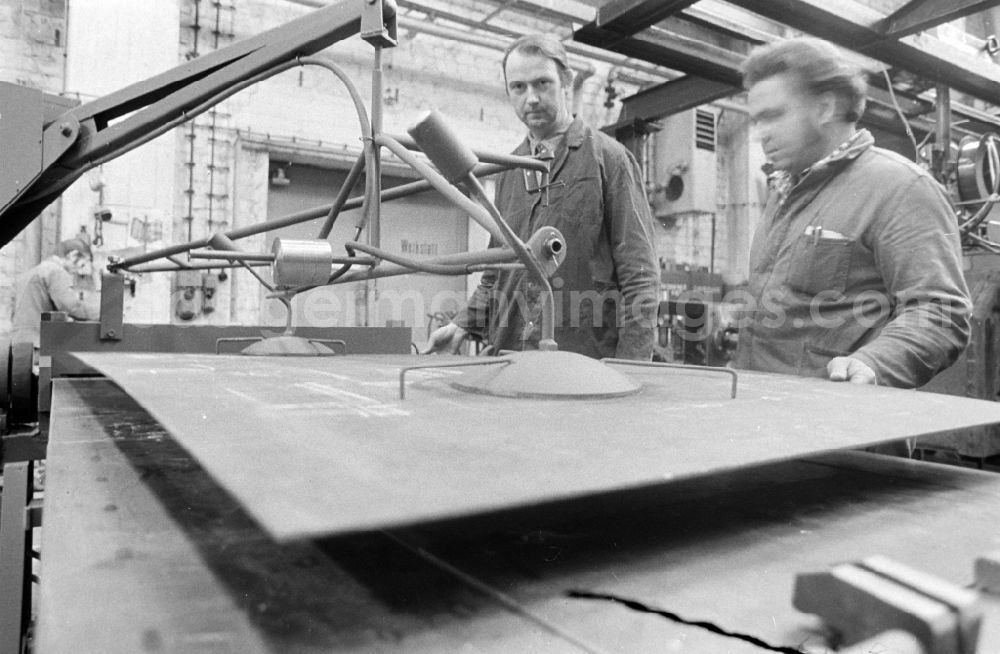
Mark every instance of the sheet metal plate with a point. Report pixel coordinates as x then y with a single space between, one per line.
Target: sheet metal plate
131 518
322 446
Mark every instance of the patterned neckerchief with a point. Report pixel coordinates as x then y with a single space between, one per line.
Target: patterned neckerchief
783 181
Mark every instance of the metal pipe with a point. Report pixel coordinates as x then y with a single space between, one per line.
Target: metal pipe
338 204
410 188
457 162
942 140
366 131
373 174
413 264
230 256
547 340
476 211
189 191
482 267
499 255
257 256
305 215
163 267
507 160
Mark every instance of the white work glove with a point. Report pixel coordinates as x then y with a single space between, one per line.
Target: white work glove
447 339
851 370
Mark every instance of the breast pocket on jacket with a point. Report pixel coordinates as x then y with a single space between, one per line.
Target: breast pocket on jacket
571 194
820 262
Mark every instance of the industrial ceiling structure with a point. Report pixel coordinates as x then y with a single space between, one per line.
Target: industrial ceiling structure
684 53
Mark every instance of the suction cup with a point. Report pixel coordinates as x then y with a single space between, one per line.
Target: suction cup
287 346
553 375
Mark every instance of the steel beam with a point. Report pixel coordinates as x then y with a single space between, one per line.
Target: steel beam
669 50
720 78
673 97
847 24
626 15
701 59
933 59
919 15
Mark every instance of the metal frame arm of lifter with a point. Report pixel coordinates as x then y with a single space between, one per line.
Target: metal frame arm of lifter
90 134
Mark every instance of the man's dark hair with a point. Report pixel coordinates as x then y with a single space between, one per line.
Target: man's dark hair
544 46
819 67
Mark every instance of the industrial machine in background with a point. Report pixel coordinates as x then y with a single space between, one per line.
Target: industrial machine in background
694 323
970 170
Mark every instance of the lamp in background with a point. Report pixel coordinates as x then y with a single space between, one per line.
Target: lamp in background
279 178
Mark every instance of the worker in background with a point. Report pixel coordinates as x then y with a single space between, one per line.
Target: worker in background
855 270
606 289
55 285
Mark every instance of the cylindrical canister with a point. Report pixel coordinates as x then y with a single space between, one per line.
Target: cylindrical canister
443 147
301 262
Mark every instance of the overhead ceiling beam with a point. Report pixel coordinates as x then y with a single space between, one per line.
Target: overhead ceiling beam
624 15
673 97
919 15
721 67
672 51
933 59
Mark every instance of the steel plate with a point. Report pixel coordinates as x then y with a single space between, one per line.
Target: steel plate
323 446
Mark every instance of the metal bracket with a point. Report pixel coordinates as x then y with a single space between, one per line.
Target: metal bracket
378 23
988 573
864 599
16 448
112 306
486 361
681 366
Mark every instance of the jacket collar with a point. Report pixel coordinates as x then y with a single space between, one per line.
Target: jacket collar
573 138
861 141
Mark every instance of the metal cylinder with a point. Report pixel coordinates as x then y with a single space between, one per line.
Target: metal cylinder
301 262
442 146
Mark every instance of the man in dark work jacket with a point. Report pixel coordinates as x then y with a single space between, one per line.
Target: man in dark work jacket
606 290
855 270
